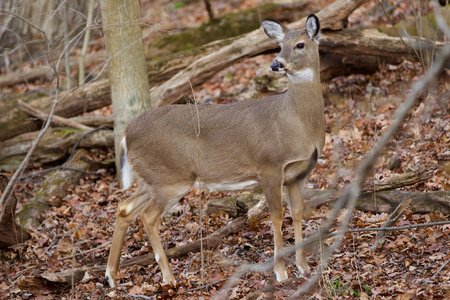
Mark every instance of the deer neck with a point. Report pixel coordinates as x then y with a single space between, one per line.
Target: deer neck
305 90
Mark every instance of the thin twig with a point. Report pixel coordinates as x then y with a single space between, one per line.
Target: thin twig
441 268
204 286
85 252
56 119
389 228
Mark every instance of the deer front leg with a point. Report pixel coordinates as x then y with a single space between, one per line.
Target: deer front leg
272 190
126 214
295 192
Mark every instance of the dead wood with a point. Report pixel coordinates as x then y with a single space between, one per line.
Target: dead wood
13 121
55 185
10 232
393 218
408 178
55 119
54 145
422 202
95 121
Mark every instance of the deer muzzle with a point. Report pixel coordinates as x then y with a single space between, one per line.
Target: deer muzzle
277 66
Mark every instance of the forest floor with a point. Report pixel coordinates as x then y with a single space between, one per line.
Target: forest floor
411 264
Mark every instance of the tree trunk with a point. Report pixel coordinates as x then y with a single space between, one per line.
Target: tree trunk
127 68
10 232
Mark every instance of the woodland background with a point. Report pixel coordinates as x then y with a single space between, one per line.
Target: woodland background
66 198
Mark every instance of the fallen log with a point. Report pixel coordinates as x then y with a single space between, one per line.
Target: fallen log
422 202
55 185
95 121
93 96
385 201
54 145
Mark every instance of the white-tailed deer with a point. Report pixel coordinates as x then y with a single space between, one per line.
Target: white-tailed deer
272 142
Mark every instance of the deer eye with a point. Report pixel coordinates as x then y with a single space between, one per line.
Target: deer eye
300 46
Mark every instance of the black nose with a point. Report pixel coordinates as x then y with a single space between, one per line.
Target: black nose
276 65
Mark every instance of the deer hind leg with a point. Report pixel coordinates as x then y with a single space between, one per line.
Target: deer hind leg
166 197
127 212
272 190
295 192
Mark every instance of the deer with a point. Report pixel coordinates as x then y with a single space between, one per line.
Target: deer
273 143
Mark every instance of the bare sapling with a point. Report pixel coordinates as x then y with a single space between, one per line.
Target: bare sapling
273 142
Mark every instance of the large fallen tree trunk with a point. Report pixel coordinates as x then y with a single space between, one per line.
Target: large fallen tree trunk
54 185
13 121
54 145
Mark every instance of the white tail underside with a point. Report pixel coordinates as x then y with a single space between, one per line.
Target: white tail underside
127 173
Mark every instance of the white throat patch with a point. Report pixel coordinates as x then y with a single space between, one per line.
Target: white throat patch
305 75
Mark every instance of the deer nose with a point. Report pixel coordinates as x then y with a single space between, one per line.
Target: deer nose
276 65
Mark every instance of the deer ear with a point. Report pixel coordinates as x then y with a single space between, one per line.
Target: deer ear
276 31
312 27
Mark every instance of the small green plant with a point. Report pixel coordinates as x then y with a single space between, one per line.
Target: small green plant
338 288
367 289
179 4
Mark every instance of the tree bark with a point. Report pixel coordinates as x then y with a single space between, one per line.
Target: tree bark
127 67
93 96
54 145
10 232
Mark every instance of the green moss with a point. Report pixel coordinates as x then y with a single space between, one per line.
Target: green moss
230 25
11 163
29 211
65 131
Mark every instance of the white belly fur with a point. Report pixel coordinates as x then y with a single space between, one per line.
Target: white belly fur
226 186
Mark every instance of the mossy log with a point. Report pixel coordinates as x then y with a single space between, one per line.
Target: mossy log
55 185
54 145
13 121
